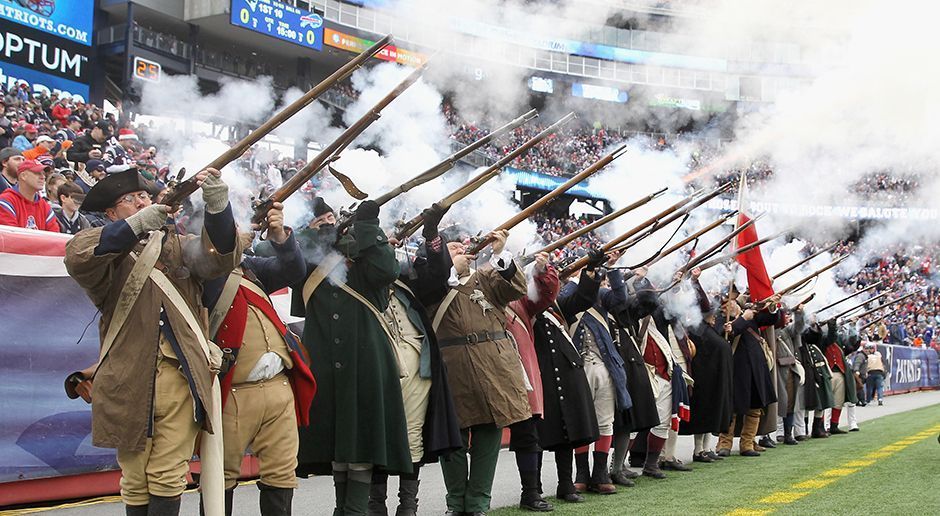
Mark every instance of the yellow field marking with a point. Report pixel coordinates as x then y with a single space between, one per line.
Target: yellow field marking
749 512
839 472
805 487
782 497
814 483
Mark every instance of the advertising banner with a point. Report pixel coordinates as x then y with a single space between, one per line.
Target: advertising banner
337 39
911 368
43 61
279 20
69 19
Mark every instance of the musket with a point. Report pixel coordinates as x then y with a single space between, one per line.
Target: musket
886 305
662 222
185 188
442 167
715 248
879 319
805 300
804 260
850 296
408 228
860 305
331 152
547 198
681 207
570 237
679 245
732 254
801 282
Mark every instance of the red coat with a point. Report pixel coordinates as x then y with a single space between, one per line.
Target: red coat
835 358
521 313
232 333
61 113
16 210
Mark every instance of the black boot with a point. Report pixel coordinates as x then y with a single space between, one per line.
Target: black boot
819 430
600 477
164 506
407 497
566 490
378 493
582 472
275 501
788 430
834 428
136 510
531 500
340 482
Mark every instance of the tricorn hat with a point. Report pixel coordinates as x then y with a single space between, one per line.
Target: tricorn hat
106 192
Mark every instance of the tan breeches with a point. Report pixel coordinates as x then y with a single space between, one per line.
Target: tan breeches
160 469
415 393
261 416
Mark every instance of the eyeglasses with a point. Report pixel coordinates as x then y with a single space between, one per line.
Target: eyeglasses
130 198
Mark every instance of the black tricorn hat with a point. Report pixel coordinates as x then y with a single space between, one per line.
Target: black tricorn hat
106 192
320 207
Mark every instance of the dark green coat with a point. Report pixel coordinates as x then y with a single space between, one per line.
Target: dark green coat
817 387
357 415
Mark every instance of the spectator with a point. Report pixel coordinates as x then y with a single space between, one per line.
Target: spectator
877 370
52 183
24 141
88 174
44 146
117 156
62 111
22 206
10 160
88 146
70 130
70 197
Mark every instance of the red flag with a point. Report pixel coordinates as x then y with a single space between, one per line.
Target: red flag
758 281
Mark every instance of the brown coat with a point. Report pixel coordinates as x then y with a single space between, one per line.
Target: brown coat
486 379
123 391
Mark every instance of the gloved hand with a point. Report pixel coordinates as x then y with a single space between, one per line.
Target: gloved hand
368 210
149 219
432 219
596 258
214 192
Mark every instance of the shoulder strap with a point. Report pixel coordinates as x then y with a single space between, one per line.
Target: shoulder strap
176 299
445 304
643 337
222 305
511 313
382 322
132 287
320 273
594 313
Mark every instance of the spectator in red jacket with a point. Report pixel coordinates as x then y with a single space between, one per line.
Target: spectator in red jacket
61 111
22 206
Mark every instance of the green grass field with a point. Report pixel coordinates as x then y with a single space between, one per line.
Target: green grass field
821 476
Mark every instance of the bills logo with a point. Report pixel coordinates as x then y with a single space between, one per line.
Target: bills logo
313 20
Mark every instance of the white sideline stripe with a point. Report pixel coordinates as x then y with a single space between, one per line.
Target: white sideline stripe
32 265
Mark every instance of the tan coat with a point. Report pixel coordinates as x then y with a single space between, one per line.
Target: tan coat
123 391
486 379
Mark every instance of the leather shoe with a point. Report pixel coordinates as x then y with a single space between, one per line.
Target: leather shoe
702 457
750 453
724 452
537 505
853 429
767 442
791 441
621 480
759 448
658 475
801 437
714 456
629 473
834 430
674 465
580 488
780 439
604 489
571 498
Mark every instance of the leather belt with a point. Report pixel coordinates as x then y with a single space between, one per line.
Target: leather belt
473 338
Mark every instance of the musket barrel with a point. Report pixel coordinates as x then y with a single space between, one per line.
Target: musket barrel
330 151
797 284
185 188
860 305
741 250
537 205
886 305
565 240
844 299
408 228
804 260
